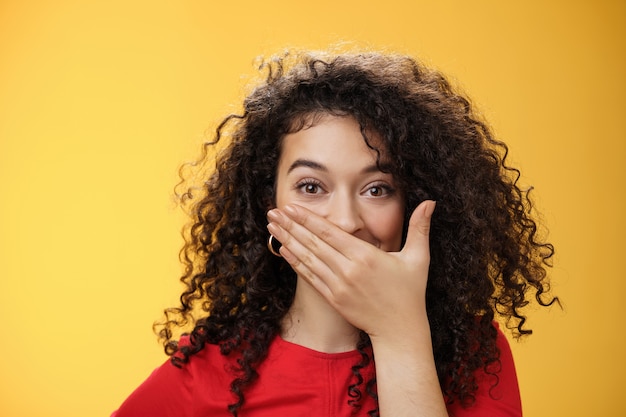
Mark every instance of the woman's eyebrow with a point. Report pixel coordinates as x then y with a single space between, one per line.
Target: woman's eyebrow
317 166
307 163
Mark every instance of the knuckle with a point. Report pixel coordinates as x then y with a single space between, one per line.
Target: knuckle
351 273
307 275
302 217
288 224
313 243
364 257
307 259
296 264
326 234
340 294
286 240
304 272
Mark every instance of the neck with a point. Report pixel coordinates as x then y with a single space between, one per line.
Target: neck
311 322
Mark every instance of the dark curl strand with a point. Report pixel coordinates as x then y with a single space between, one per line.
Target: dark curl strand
487 258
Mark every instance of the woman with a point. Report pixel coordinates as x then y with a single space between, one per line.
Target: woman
348 254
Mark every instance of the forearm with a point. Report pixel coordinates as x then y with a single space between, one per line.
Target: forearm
407 378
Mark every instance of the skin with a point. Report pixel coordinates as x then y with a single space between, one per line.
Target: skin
340 221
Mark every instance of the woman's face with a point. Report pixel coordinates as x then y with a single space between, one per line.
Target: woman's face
329 169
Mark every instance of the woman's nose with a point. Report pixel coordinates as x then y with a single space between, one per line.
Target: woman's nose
345 213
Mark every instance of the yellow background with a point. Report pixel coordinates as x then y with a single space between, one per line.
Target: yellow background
100 101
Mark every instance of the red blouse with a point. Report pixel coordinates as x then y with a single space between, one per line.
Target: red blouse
293 381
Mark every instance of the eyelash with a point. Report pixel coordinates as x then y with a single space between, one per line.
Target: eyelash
306 183
386 189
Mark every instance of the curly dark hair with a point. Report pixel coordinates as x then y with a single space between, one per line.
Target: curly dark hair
487 258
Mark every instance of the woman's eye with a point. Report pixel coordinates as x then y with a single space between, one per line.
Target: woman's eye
378 190
309 187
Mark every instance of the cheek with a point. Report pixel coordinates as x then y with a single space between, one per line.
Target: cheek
387 227
281 196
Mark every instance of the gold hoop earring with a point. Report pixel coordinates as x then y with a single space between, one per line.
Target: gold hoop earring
270 246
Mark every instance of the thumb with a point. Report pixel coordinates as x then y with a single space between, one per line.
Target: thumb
419 228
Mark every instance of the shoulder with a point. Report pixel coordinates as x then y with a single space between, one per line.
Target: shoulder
170 390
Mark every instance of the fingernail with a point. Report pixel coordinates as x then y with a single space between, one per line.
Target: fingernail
272 228
430 208
291 210
273 215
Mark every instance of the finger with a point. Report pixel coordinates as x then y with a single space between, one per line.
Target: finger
304 272
325 231
418 233
331 263
301 257
305 237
